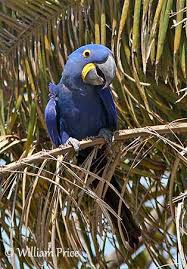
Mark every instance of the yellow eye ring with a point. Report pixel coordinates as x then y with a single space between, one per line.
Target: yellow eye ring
86 53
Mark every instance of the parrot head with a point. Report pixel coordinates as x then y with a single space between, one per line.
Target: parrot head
92 64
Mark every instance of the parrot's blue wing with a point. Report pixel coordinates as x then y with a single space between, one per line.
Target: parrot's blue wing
106 96
51 121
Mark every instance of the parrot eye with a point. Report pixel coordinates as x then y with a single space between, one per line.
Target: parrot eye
86 53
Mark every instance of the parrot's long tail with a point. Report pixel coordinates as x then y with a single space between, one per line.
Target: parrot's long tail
131 230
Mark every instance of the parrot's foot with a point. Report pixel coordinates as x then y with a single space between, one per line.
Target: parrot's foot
107 135
73 142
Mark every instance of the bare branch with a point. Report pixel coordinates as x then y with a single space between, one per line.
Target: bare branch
120 135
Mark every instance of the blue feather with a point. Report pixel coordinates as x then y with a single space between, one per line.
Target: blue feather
51 121
106 96
76 109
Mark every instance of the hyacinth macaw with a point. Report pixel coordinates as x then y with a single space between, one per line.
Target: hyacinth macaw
81 105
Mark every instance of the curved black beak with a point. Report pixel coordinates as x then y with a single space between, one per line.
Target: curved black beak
100 74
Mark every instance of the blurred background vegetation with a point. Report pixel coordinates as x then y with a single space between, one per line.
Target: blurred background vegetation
40 205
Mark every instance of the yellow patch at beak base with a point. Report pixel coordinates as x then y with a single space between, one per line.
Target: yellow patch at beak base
87 69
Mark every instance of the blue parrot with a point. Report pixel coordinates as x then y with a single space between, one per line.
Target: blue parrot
80 106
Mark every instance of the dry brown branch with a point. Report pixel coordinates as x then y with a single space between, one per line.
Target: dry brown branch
120 135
